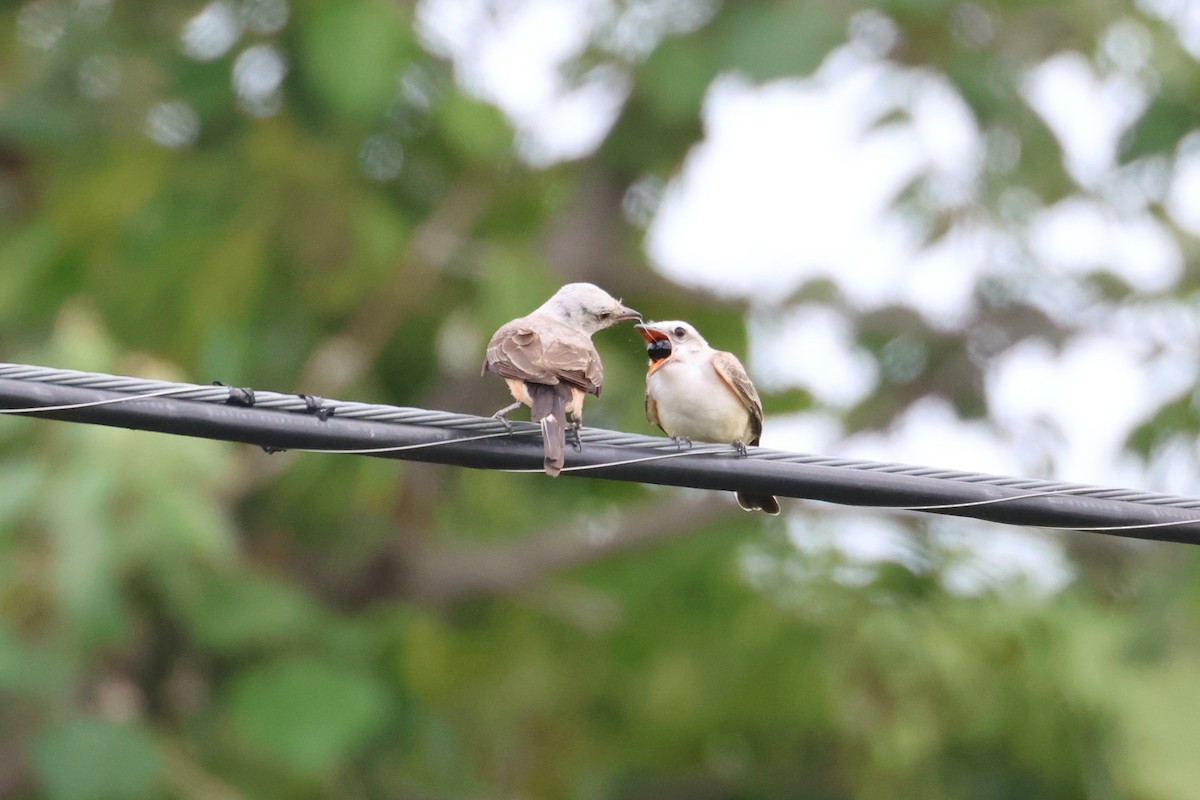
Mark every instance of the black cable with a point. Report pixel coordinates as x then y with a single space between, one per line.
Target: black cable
294 422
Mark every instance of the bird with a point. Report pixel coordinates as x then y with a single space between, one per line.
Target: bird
549 362
694 391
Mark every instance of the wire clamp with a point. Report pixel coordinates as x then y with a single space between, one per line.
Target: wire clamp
315 405
238 396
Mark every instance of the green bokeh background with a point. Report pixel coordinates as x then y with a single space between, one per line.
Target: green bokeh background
193 619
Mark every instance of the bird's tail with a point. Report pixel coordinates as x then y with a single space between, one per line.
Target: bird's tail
758 502
549 409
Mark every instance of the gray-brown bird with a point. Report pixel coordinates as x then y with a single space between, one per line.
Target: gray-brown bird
696 392
549 361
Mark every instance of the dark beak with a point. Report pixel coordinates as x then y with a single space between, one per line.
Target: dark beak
627 314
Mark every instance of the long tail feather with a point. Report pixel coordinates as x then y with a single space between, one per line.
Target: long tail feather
550 411
758 502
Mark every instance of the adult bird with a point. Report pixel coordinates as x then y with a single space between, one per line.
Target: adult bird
550 364
694 391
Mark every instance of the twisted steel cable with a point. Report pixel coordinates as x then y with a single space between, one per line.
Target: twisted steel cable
280 421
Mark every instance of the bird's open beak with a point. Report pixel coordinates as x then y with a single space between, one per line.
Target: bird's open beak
658 345
651 334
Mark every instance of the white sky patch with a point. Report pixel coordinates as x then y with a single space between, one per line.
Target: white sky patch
1166 329
638 27
1078 236
860 541
931 433
1173 470
980 556
1183 198
941 279
1087 113
212 32
1089 396
795 181
1184 15
763 199
511 53
808 432
581 117
994 557
944 127
797 349
258 75
1131 188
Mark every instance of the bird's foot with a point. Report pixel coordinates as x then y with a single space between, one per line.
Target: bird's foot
502 416
681 441
573 436
740 446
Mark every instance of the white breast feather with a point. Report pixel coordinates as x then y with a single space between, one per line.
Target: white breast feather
693 401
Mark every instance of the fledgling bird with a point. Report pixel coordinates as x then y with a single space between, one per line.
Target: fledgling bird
696 392
549 361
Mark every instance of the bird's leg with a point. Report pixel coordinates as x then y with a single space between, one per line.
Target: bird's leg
502 415
740 446
573 435
680 441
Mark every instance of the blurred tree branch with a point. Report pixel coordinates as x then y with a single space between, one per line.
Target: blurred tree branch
442 579
440 237
344 358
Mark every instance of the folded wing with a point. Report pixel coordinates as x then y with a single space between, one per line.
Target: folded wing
539 352
730 370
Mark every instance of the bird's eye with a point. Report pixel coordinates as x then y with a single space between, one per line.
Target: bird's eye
603 315
680 332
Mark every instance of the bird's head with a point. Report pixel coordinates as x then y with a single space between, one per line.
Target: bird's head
587 308
670 339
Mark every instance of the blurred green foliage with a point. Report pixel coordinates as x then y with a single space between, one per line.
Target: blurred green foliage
184 618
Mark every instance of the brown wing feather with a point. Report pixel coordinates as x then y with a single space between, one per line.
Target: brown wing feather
541 351
575 360
730 369
515 351
652 412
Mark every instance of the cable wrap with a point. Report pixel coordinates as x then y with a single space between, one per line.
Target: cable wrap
288 421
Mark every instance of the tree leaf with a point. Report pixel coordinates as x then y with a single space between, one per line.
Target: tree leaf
767 41
351 53
94 759
307 713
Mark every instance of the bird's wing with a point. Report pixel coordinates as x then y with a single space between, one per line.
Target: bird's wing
516 351
652 409
735 376
572 357
542 351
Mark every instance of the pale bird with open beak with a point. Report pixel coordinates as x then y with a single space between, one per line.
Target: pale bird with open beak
549 361
696 392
